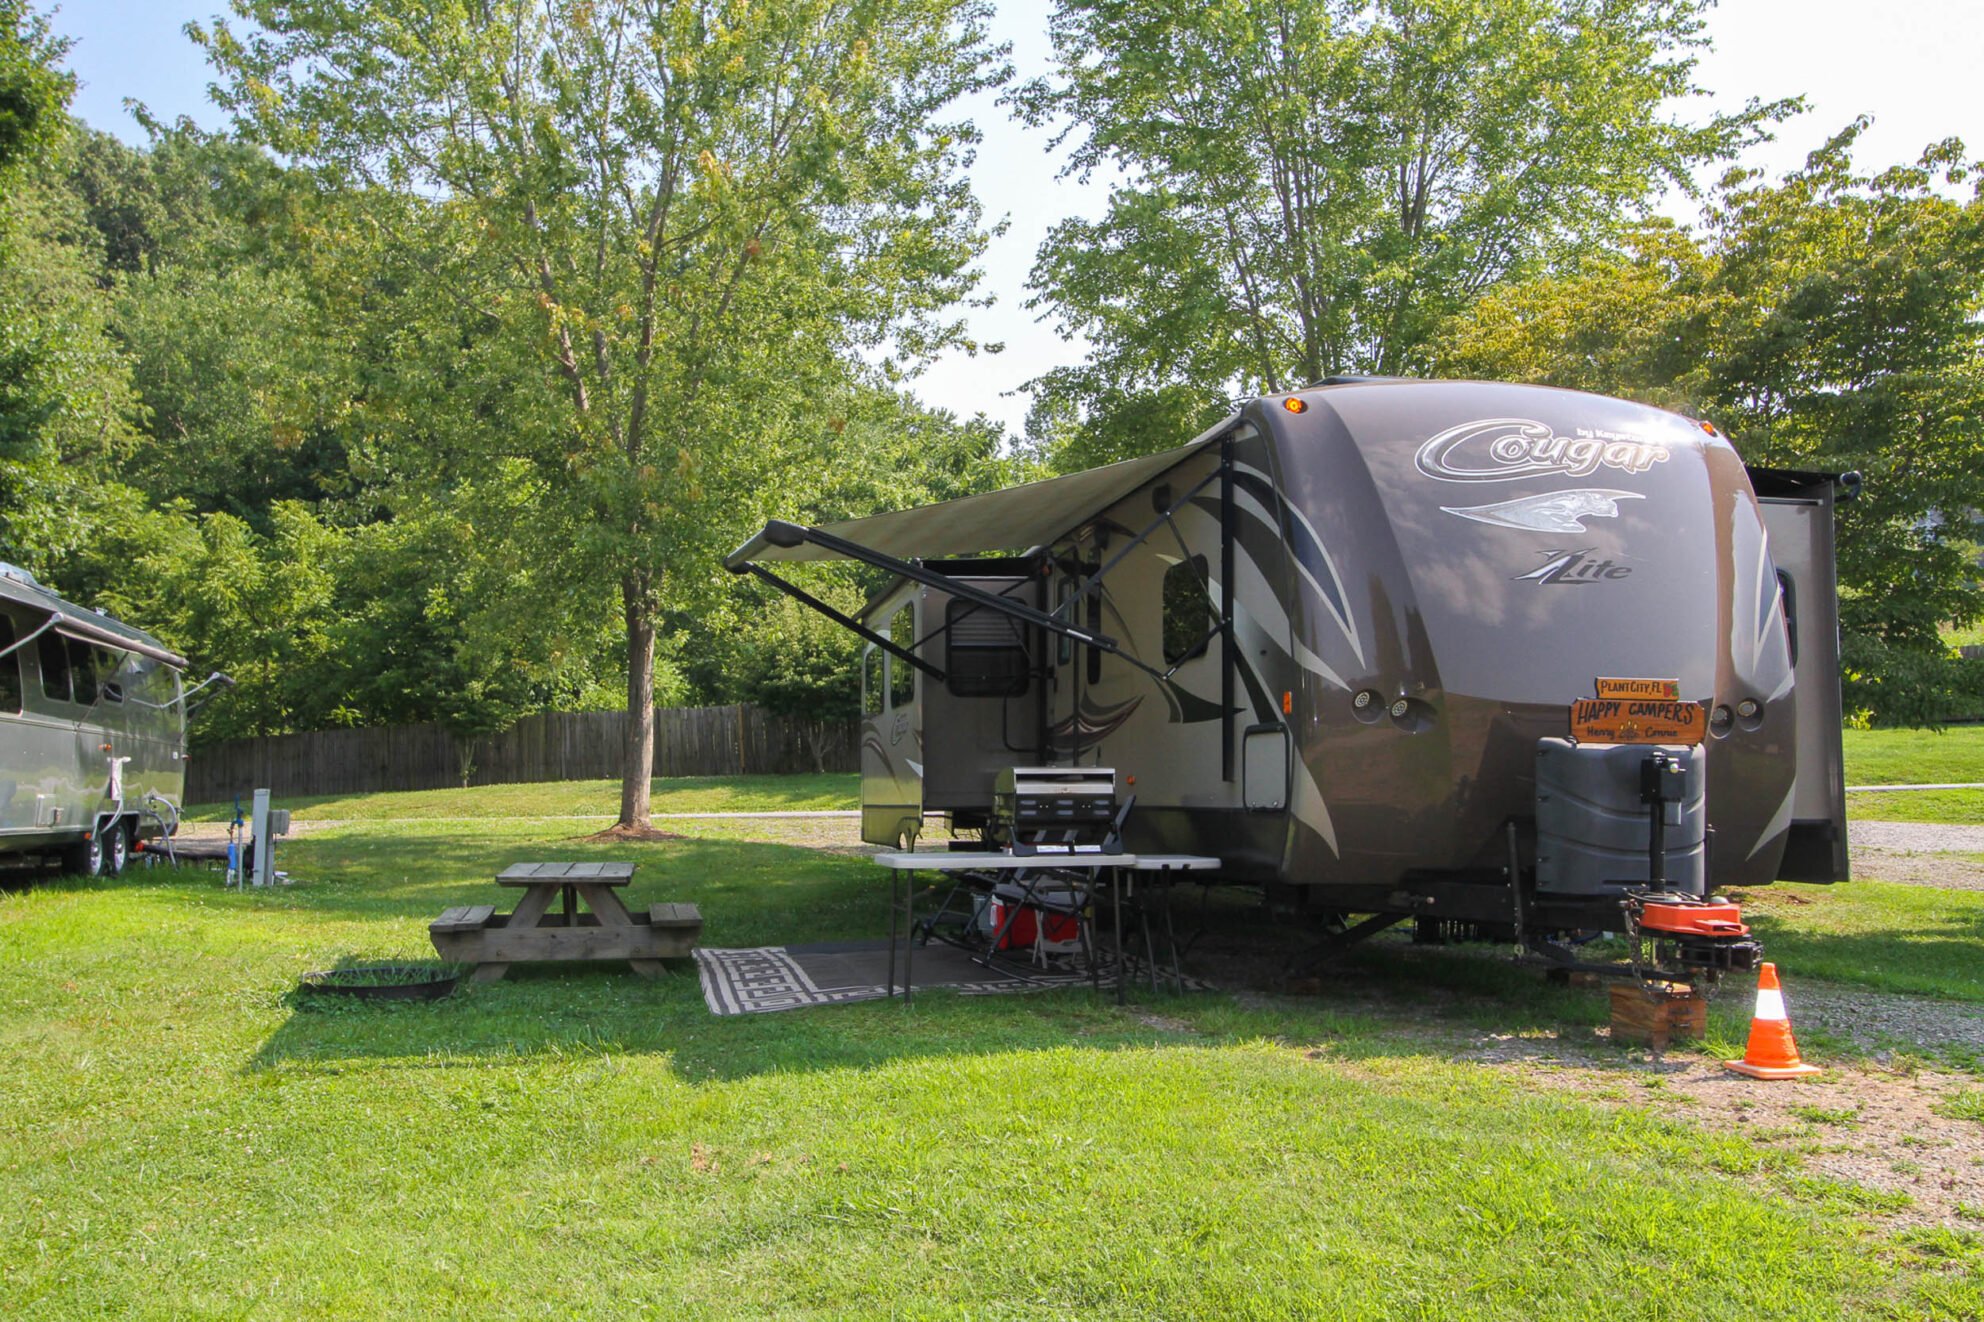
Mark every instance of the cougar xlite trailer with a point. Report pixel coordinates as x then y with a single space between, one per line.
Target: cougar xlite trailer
92 730
1476 653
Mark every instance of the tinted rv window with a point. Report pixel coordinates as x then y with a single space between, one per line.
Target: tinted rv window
902 675
1187 610
54 658
109 681
82 672
871 681
10 667
984 656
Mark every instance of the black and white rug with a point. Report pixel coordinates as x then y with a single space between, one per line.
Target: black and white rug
788 977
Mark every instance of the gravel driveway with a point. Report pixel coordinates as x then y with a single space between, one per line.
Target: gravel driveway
1918 853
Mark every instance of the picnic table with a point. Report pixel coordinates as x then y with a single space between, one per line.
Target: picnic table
604 929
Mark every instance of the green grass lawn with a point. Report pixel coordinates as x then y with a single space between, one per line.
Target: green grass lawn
575 798
1890 937
1916 757
186 1136
1873 757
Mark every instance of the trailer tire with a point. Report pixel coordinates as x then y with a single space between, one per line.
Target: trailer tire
113 849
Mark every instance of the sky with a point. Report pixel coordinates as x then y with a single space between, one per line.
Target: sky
1910 64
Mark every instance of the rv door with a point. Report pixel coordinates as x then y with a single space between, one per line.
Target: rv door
1797 512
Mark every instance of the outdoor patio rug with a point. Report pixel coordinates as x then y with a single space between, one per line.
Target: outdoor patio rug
788 977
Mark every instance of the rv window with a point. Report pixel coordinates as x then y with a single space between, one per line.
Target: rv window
10 667
54 658
871 681
1187 610
108 664
902 675
984 655
82 671
1790 593
151 683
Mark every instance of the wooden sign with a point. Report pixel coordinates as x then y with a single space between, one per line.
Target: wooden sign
1663 690
1637 721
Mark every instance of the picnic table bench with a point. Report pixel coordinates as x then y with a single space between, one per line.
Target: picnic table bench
604 929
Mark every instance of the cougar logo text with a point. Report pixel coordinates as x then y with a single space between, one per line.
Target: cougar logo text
1573 569
1502 449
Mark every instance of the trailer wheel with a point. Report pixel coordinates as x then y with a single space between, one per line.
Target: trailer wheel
113 849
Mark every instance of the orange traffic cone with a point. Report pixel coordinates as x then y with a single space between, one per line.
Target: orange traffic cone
1771 1053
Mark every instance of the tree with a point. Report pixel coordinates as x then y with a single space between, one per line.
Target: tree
693 215
34 93
797 663
1829 320
1312 186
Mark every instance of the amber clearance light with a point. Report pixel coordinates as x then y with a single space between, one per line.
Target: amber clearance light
1294 405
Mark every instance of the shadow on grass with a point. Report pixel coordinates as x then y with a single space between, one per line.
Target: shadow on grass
1386 998
1370 1007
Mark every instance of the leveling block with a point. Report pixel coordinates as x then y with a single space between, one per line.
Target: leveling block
1772 1054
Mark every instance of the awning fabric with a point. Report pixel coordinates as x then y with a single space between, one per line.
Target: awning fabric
1035 514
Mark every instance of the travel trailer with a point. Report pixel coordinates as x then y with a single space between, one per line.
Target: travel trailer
92 731
1493 657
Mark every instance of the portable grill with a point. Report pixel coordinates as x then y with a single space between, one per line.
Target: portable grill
1055 805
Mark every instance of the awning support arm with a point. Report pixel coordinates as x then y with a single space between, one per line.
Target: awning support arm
46 625
780 533
805 598
1163 519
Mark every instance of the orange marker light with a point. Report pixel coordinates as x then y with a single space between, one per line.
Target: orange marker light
1129 780
1709 427
1294 405
1287 701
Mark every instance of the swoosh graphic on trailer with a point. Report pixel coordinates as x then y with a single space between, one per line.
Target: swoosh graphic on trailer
1093 723
1305 546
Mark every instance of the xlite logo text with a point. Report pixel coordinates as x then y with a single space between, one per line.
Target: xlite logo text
1571 568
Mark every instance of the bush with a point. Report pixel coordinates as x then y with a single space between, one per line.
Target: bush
1884 684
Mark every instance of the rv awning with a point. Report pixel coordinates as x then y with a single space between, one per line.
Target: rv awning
79 622
1015 519
85 631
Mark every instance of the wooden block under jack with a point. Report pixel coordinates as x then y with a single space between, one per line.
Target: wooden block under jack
1657 1014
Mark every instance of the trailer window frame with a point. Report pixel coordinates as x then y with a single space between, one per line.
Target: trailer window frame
902 675
13 679
874 687
1185 591
977 668
84 688
52 660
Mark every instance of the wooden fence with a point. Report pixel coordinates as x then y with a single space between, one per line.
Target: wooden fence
689 741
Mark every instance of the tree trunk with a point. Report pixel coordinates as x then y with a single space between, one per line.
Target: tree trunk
637 764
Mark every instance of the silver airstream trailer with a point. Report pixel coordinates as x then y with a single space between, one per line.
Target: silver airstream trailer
1492 657
92 731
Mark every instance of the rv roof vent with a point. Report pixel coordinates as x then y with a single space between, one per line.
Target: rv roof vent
18 574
